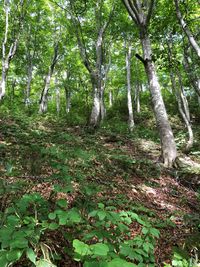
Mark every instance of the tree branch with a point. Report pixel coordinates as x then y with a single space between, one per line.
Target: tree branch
141 59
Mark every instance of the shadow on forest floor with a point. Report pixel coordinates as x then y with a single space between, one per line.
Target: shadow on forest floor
102 167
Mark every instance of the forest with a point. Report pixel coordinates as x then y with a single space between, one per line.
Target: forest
99 133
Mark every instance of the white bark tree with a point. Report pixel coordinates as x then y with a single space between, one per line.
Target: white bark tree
97 70
178 90
141 11
44 95
186 29
128 48
9 50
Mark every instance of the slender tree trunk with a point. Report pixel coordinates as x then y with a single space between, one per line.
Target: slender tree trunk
44 95
57 96
7 57
194 80
186 29
168 145
28 87
137 97
110 98
183 109
102 104
185 113
131 123
95 113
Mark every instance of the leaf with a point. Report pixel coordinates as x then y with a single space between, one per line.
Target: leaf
62 203
31 255
44 263
19 243
145 230
93 213
3 260
53 226
95 264
52 216
101 214
81 248
100 249
154 232
74 216
120 263
101 205
14 255
146 247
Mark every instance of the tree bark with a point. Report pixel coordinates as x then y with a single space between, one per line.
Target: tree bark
110 98
131 123
28 87
95 113
169 152
44 95
57 88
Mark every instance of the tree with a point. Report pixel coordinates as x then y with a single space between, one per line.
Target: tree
95 65
189 34
9 48
128 48
141 12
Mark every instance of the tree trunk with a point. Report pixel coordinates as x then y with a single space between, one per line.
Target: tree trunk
194 80
137 97
110 98
96 108
131 123
44 95
57 96
44 99
169 152
187 31
102 104
185 113
3 83
28 87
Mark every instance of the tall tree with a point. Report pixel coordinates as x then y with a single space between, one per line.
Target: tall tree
141 12
128 48
9 44
188 32
94 64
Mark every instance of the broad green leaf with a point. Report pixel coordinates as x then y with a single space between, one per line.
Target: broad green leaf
154 232
14 255
74 216
120 263
93 213
52 216
95 264
100 249
44 263
101 214
101 205
145 230
31 255
81 248
62 203
19 243
53 226
3 260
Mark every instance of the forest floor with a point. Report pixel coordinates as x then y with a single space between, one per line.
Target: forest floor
102 167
